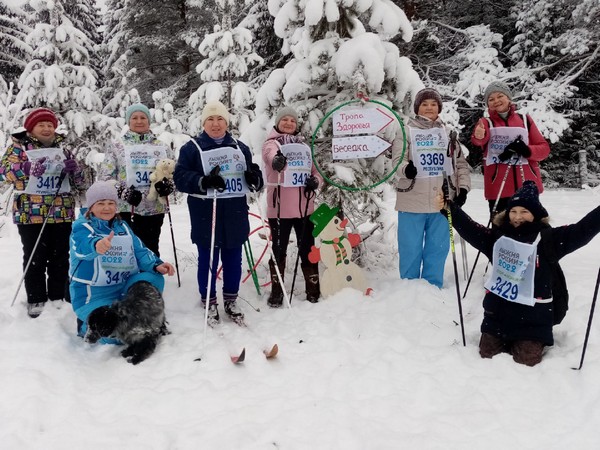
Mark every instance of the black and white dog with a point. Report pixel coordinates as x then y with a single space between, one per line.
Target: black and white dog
138 321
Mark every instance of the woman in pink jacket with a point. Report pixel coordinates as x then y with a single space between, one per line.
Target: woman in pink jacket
292 180
512 147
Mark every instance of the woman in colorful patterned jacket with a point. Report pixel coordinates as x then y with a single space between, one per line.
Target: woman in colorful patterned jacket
46 179
130 160
512 147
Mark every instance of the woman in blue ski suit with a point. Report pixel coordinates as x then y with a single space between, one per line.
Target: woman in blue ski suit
106 258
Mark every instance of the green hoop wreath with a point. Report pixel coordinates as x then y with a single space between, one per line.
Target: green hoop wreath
349 188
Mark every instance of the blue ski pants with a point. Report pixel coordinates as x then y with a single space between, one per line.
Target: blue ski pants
423 245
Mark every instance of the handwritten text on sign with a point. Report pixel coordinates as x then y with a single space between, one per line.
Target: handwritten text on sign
358 147
360 121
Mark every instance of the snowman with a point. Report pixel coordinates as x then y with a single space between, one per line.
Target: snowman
335 252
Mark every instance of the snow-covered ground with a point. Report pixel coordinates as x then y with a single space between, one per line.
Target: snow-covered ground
381 372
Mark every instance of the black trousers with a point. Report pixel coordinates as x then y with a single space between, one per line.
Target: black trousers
51 260
147 228
280 234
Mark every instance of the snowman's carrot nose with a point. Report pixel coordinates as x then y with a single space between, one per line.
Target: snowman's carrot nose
343 223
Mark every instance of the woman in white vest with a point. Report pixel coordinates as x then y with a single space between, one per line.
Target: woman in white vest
423 237
130 160
518 304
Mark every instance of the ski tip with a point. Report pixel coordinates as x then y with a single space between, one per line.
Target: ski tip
198 359
272 353
240 358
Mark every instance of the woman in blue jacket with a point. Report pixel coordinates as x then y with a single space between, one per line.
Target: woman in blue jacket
106 258
215 165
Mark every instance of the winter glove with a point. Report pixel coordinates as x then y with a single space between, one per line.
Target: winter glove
506 154
213 180
38 168
519 147
311 184
132 196
26 167
164 187
252 179
461 198
71 166
279 161
410 171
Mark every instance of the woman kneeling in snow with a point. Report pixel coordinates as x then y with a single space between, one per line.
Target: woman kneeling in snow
106 257
518 308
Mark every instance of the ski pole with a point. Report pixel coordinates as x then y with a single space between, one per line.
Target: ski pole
173 240
465 262
589 325
450 229
50 210
272 253
250 259
300 241
210 264
488 225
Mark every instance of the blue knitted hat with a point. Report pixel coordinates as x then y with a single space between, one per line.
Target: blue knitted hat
528 197
136 107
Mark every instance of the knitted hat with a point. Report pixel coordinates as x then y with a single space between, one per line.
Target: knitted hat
528 197
40 115
101 190
427 94
496 86
214 108
321 217
285 111
136 107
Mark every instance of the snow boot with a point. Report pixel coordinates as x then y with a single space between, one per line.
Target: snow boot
311 280
232 309
213 312
35 309
276 297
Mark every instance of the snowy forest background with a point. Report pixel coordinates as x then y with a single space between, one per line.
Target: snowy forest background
89 60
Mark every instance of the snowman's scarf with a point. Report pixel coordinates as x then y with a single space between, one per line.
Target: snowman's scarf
340 250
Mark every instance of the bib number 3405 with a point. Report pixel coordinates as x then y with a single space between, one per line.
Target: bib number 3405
233 184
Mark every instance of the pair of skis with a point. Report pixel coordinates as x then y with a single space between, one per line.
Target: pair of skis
241 357
269 354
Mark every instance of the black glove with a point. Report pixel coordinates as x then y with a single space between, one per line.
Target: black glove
132 196
519 147
279 161
213 180
410 171
311 184
461 197
164 187
506 154
252 180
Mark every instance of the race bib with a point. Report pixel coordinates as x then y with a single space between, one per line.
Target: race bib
429 149
299 164
500 137
233 165
140 162
118 263
513 271
47 184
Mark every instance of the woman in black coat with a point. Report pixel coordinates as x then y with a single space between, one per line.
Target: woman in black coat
521 325
215 164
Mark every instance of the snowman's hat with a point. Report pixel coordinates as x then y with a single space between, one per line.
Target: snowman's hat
321 217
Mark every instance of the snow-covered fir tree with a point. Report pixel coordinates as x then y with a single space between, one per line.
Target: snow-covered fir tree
14 51
229 54
338 48
60 75
159 40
